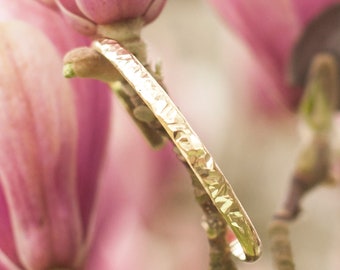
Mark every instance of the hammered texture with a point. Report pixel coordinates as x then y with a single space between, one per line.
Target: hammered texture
248 246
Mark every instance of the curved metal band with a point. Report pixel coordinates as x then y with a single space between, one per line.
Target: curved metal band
246 244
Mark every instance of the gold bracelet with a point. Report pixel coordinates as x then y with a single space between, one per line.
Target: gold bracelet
246 244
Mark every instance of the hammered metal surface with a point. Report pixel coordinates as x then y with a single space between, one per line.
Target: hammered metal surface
248 247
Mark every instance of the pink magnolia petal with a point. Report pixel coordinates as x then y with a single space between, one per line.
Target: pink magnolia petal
306 9
7 264
8 253
93 98
49 3
118 246
269 29
154 10
75 18
102 12
93 103
47 20
71 6
38 157
94 113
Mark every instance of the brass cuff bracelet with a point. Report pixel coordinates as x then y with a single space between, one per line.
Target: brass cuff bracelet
246 244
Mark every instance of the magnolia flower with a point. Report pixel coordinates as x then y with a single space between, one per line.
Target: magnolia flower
270 30
58 207
49 180
273 31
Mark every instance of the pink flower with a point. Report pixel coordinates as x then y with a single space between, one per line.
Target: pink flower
84 15
270 29
65 202
52 158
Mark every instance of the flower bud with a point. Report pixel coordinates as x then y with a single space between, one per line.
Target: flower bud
84 15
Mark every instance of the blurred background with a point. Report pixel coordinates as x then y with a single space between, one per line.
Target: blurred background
202 66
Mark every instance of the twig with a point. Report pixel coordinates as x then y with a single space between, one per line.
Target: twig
280 245
317 108
216 229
